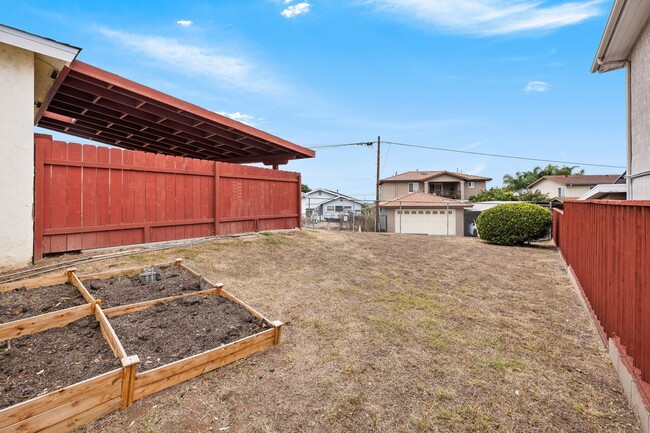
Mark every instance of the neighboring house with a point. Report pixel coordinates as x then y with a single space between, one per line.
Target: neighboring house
570 186
442 183
327 204
626 44
423 213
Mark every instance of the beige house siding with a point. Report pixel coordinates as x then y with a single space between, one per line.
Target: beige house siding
391 190
550 187
479 187
640 116
391 218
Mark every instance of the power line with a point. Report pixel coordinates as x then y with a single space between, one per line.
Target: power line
468 152
361 143
496 155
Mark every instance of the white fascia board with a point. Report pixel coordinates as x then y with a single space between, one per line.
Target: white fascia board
603 189
624 25
37 44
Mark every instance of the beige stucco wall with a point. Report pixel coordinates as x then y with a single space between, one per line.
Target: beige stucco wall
640 69
390 190
17 155
547 186
479 187
391 217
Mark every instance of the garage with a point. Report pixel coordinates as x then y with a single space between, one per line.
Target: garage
422 213
429 221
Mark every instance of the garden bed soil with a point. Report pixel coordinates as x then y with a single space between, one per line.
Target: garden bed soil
22 303
124 289
172 331
46 361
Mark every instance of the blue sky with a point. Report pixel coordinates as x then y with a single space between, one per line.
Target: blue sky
496 76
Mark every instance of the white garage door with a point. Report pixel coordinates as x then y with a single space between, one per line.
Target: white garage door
426 221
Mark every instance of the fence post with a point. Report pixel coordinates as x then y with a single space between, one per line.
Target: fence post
217 165
299 201
39 168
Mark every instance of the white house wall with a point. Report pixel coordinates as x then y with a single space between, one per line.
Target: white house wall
339 202
17 153
640 70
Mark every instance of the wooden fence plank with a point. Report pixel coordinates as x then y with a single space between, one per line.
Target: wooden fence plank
109 334
171 374
74 405
94 197
60 397
132 308
43 322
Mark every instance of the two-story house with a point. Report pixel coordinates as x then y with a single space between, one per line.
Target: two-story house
447 184
571 186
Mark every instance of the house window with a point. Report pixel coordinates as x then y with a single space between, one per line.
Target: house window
339 208
561 192
347 207
435 212
470 184
399 211
413 187
330 208
450 212
406 212
428 212
421 212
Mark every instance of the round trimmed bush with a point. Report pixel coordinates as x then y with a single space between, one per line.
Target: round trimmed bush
513 223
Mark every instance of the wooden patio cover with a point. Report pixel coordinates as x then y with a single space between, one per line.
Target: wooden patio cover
91 103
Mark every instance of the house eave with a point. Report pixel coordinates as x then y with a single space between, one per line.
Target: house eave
626 21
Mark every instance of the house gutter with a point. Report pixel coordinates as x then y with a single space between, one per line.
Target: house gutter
627 64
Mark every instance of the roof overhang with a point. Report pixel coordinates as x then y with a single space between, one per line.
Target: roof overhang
626 21
95 104
50 57
604 189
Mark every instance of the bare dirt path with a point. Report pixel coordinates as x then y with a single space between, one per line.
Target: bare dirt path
389 333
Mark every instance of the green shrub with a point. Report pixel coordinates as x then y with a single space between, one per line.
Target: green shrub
513 223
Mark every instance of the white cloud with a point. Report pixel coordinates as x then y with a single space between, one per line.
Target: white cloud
286 2
184 23
295 10
240 117
492 17
536 86
226 70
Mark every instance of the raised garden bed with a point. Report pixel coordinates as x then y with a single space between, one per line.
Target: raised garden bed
194 331
21 302
130 289
36 364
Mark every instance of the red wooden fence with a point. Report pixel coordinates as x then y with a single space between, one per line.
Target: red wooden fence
607 246
89 197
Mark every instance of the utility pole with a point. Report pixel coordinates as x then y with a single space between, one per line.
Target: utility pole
377 225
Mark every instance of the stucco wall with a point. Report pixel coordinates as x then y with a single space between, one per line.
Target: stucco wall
479 187
17 155
390 190
641 116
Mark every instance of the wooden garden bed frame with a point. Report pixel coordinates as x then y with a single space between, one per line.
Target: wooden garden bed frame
81 403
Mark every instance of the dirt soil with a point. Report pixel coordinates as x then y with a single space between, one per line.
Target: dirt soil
40 363
168 332
393 333
124 290
21 303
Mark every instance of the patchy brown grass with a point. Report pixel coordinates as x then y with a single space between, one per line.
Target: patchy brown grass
394 334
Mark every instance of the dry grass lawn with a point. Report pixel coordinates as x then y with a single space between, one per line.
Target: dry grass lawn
389 333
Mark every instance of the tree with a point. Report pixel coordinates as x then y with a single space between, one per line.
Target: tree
502 194
494 194
522 179
305 188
